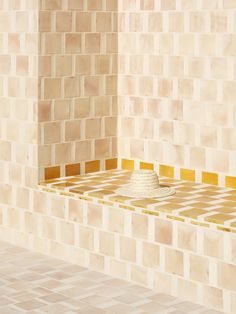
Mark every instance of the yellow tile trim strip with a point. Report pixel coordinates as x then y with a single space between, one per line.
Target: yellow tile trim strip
166 171
150 212
201 224
52 173
182 173
92 166
146 165
175 218
127 207
129 164
111 163
73 169
210 178
230 182
187 174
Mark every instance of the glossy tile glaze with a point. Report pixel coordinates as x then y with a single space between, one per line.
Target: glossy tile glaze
207 205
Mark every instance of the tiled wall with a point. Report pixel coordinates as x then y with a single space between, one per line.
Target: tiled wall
172 98
18 99
175 91
177 87
78 85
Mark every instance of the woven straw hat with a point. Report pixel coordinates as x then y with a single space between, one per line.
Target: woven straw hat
144 184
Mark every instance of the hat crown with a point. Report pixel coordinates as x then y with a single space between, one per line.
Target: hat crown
144 180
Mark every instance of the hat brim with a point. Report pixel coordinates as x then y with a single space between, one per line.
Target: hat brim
161 192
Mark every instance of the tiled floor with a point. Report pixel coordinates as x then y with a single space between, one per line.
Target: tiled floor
34 283
207 205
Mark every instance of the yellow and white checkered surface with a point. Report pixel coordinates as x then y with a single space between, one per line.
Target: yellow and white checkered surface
206 205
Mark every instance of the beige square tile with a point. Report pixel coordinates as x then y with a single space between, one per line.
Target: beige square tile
128 249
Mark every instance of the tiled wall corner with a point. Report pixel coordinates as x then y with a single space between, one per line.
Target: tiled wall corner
78 84
18 101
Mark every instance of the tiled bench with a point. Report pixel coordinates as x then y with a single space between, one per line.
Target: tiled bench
184 245
205 205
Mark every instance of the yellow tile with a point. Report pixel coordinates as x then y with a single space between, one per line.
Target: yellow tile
92 166
72 169
86 198
98 179
127 164
200 205
166 171
111 187
182 195
233 224
187 174
229 204
127 207
230 198
168 181
214 188
209 178
48 190
45 183
192 213
175 218
218 218
187 183
209 193
224 229
105 202
225 210
185 189
144 202
81 189
100 193
150 212
92 183
198 223
52 173
176 200
106 175
230 182
146 165
126 176
119 182
119 198
65 193
63 185
233 192
169 207
74 179
111 164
